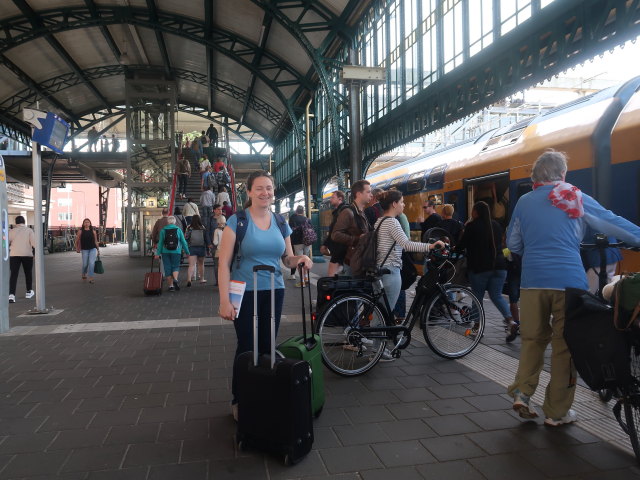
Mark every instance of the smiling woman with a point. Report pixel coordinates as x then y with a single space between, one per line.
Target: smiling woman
255 236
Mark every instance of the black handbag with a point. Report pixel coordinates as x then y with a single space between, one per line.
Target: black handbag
600 352
408 273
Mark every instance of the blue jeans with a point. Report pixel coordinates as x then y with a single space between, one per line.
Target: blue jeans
244 325
400 310
182 183
89 261
392 283
206 217
491 282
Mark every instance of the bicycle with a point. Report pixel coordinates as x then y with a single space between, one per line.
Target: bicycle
354 328
627 396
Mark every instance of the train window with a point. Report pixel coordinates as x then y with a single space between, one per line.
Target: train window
383 185
523 187
436 197
396 182
436 176
416 182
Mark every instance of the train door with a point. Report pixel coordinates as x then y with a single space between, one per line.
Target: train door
492 189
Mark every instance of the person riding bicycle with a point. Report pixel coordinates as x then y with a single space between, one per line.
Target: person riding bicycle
546 228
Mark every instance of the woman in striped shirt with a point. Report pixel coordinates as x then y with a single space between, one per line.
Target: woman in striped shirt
392 240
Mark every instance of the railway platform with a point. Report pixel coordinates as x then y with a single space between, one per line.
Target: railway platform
116 385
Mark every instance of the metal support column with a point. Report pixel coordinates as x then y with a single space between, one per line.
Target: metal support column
355 148
38 229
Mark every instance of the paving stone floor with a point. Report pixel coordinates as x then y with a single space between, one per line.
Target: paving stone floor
153 403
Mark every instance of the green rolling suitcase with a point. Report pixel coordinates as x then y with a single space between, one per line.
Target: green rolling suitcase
308 349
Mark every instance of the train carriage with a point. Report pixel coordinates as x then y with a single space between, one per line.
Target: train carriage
600 134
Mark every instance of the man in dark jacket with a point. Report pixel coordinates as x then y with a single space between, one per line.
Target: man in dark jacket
329 247
431 218
352 222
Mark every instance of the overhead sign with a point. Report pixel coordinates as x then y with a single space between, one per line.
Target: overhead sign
48 129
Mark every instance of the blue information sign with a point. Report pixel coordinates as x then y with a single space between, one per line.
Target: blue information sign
53 133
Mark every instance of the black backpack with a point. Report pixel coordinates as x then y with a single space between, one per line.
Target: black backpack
171 239
196 238
365 256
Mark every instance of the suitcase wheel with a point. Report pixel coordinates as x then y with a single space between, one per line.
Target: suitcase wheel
318 413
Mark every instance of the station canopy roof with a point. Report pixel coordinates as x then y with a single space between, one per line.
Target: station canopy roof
248 62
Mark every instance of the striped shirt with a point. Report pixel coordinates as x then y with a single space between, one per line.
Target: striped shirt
391 231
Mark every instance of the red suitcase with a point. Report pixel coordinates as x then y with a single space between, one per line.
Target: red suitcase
153 281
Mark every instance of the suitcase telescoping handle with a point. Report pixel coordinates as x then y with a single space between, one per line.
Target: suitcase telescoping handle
152 259
309 342
271 270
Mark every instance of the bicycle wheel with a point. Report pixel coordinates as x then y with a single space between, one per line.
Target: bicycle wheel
345 350
453 324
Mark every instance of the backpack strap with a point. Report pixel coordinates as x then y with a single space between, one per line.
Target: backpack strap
241 230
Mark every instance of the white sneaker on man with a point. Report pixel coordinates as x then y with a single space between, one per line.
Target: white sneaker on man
570 417
12 299
29 294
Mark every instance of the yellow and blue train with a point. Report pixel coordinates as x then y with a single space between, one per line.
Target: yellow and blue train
600 134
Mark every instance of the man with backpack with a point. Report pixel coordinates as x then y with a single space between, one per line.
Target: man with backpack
352 222
299 223
171 243
329 247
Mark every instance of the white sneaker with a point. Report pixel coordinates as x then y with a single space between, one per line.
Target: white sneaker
291 277
386 356
570 417
29 294
12 299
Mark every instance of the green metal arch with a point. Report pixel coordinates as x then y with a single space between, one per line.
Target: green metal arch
13 105
18 30
319 64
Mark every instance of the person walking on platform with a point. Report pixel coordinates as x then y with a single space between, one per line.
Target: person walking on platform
352 222
199 241
266 242
227 209
171 244
297 221
336 250
22 241
158 226
482 240
87 244
546 228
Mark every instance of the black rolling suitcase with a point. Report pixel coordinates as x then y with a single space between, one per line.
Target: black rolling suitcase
274 396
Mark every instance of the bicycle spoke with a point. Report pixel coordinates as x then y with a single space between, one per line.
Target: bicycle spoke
346 349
